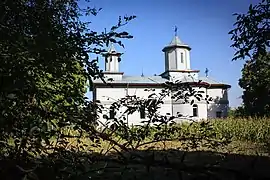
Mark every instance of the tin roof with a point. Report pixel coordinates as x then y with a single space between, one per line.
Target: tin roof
176 42
156 80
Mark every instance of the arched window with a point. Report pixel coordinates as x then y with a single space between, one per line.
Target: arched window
195 110
182 57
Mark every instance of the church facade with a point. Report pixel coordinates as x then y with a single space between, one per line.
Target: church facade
177 67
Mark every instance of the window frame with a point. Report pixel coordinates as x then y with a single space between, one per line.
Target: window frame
195 110
182 57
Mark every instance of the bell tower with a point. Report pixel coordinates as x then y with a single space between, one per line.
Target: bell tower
112 60
177 55
112 64
177 59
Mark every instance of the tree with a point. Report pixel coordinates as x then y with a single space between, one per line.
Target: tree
44 65
251 35
251 39
237 112
256 84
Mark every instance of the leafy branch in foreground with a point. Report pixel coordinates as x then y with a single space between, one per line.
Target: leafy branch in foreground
45 65
251 35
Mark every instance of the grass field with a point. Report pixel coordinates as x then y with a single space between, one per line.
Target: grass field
248 137
247 155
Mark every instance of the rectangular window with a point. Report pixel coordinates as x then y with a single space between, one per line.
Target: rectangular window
195 110
182 58
142 113
176 59
112 114
218 114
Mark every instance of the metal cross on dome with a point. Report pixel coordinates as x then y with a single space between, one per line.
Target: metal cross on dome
175 30
206 72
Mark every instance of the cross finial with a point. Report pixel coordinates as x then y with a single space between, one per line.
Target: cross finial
175 30
206 72
142 75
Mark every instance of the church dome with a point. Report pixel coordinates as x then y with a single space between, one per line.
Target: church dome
176 42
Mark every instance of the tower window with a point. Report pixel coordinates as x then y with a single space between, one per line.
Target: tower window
182 57
142 113
195 110
176 59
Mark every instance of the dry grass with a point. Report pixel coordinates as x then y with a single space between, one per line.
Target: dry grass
249 137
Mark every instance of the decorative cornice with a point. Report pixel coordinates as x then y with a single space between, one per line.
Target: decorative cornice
176 46
112 54
213 86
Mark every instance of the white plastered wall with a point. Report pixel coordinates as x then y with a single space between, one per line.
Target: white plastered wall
220 102
109 95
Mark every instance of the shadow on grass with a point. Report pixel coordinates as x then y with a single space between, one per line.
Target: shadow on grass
152 164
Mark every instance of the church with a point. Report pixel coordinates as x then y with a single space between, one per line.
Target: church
177 67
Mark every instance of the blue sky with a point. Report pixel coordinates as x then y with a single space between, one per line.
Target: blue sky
202 24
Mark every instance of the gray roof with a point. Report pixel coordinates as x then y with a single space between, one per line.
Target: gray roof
209 80
137 80
176 42
203 79
156 80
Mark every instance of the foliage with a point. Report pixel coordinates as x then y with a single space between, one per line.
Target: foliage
251 36
256 84
237 112
44 66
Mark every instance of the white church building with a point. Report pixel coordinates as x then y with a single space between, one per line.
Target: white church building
177 67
